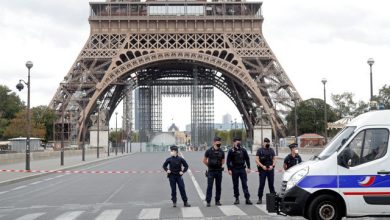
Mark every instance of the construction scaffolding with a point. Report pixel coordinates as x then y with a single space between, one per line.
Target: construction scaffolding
148 107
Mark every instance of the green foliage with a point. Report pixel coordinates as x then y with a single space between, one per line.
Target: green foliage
310 114
18 127
10 104
45 116
384 96
227 136
344 104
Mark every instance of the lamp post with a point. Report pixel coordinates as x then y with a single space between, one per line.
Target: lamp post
62 133
108 125
371 62
325 112
250 130
116 133
295 98
83 94
98 129
235 126
261 124
20 86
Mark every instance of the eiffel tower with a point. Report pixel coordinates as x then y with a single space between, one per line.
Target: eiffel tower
135 44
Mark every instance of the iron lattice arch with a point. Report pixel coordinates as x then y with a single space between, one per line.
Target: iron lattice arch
241 64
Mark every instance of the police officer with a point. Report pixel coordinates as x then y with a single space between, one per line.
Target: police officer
214 158
236 159
175 173
293 158
265 160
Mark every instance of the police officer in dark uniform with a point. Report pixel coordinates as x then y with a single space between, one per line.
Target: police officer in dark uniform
214 158
293 158
265 160
236 159
175 173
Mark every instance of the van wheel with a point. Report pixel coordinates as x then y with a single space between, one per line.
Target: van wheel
324 207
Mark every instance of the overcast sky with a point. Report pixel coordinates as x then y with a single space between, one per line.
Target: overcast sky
311 39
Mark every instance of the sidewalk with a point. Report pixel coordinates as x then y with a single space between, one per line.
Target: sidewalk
50 164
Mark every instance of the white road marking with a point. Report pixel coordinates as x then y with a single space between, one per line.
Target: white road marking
3 192
49 179
191 212
69 215
264 209
31 216
20 187
231 210
109 214
34 183
196 184
149 213
59 176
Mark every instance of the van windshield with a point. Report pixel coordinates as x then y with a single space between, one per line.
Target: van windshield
337 142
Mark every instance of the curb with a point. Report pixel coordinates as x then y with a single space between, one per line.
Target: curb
8 182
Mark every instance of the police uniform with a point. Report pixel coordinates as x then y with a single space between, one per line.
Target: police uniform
266 156
290 160
215 168
176 165
236 159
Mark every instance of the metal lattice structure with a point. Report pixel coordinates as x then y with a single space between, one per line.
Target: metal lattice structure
135 43
149 107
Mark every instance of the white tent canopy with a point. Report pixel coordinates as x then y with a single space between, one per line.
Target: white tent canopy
340 123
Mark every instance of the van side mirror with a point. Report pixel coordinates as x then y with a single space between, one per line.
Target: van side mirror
344 159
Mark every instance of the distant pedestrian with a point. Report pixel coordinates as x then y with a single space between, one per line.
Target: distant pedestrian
177 167
236 159
265 160
214 158
293 158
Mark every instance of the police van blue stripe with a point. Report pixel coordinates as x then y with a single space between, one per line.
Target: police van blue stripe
345 181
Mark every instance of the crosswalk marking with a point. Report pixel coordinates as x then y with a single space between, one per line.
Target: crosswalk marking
69 215
231 210
264 209
31 216
150 213
109 214
191 212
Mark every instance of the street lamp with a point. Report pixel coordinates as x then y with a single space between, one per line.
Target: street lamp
325 113
295 98
98 128
62 133
116 133
371 62
20 86
235 126
108 139
250 130
83 95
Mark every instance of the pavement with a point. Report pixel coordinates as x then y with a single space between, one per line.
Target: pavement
48 164
142 192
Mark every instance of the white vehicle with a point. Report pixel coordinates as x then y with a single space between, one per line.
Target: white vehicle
350 177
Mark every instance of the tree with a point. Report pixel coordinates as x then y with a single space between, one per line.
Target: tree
344 104
43 115
10 104
18 127
310 114
384 96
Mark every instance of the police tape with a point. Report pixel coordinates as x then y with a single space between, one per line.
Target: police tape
102 172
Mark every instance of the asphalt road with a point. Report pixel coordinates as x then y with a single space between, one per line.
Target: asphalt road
144 194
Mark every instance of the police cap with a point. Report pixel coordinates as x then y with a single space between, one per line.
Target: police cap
266 140
174 148
217 139
293 145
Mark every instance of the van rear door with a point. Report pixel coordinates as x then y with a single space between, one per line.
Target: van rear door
364 172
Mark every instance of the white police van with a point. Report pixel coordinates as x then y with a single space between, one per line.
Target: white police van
350 177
